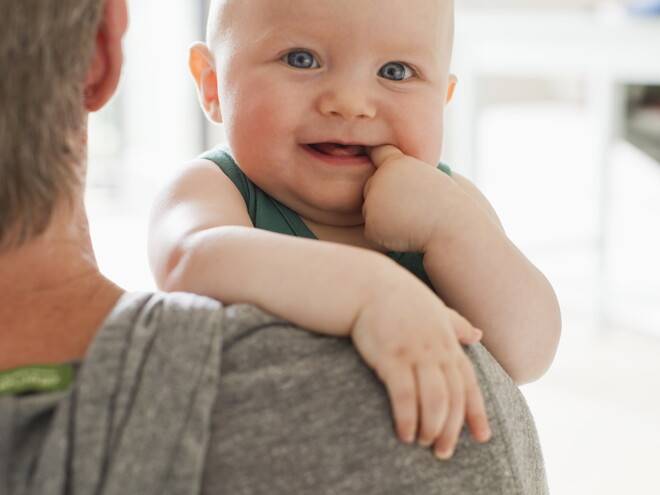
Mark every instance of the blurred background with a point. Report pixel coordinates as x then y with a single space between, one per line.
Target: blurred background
556 118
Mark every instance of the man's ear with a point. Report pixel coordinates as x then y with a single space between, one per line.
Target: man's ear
450 88
202 68
105 69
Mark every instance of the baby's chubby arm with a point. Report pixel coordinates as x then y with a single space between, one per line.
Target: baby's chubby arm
202 241
475 268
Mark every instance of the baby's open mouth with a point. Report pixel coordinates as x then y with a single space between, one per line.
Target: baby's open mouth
339 150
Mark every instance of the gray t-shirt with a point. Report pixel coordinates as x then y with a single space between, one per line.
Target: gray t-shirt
278 410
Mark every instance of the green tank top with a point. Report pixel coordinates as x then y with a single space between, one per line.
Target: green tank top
269 214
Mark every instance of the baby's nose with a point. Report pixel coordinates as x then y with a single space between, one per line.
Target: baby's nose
347 101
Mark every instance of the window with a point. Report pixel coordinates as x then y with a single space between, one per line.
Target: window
152 126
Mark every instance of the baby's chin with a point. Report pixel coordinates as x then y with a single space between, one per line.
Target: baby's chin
354 221
343 210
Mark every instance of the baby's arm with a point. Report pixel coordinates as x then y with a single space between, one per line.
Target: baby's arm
202 241
473 265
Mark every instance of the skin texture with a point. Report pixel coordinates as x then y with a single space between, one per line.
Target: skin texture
381 191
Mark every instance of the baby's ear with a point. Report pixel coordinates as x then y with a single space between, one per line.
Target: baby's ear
202 68
451 87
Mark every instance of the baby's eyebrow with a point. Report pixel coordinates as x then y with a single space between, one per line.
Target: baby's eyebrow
422 57
273 34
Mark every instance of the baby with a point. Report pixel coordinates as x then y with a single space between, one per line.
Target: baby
328 207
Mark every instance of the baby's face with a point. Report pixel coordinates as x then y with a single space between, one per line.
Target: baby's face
305 85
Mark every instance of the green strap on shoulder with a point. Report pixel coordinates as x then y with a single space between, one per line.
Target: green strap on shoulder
40 378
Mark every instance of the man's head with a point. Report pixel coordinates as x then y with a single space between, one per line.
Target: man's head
294 80
56 64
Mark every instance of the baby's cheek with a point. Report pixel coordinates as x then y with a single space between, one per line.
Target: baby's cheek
246 129
420 134
426 152
429 148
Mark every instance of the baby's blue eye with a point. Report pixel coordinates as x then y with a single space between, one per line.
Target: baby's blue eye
301 59
395 71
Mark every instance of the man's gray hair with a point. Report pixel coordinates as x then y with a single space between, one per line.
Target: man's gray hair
45 51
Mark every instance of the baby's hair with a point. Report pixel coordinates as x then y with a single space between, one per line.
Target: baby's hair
217 20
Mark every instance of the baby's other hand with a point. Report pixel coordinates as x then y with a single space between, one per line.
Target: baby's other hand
409 337
404 201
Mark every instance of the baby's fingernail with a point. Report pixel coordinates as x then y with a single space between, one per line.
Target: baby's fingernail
407 438
444 454
423 443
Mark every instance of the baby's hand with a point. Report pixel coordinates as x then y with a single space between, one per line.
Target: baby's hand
409 337
405 201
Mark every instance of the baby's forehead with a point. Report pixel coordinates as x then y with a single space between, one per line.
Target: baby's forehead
221 8
227 16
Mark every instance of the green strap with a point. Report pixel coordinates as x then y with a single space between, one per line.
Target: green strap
41 378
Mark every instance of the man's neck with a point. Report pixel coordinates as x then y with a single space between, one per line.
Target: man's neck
52 297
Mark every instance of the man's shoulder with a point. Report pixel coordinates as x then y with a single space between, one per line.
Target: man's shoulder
149 307
188 313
